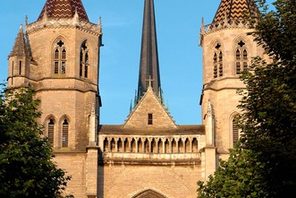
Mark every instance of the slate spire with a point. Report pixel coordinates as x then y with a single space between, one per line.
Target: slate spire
149 66
63 9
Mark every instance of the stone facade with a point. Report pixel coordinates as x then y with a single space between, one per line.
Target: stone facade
149 155
222 90
59 56
159 156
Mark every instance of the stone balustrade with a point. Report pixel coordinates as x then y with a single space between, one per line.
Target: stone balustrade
150 144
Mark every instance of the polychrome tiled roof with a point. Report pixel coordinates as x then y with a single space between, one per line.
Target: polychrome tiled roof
234 10
60 9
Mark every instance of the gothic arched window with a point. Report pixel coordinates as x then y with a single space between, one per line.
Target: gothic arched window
65 133
50 131
60 58
218 61
241 57
235 129
84 60
194 146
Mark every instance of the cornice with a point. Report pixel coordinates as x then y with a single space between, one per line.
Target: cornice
149 162
88 27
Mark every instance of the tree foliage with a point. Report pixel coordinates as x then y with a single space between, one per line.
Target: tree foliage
268 144
240 176
26 169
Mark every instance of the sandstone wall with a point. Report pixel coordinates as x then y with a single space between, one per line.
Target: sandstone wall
126 181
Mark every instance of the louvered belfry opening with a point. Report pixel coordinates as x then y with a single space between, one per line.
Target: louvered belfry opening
65 133
50 131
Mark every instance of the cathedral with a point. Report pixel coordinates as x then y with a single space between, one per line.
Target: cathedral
149 155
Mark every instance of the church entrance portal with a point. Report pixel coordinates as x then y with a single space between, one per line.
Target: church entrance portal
149 194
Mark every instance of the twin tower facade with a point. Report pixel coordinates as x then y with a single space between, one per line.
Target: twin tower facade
149 155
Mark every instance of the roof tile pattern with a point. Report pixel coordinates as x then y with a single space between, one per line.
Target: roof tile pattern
59 9
234 10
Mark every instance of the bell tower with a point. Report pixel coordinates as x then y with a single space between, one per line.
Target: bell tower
58 55
227 51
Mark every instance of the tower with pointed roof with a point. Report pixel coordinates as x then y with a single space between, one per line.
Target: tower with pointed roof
19 60
227 52
58 54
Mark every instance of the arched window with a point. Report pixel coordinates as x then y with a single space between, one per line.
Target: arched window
126 148
218 61
60 58
174 146
84 60
120 146
106 145
241 57
167 146
215 72
235 129
133 146
194 146
146 146
112 144
153 146
50 131
65 133
180 146
140 146
187 146
160 149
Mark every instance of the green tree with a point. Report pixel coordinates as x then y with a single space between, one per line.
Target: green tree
268 123
240 176
26 169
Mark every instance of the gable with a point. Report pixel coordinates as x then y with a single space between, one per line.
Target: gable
149 108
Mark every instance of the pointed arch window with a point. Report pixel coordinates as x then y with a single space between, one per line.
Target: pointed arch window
84 60
65 133
235 129
60 58
218 61
50 131
241 57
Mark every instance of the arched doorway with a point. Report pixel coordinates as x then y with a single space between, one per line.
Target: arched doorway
149 194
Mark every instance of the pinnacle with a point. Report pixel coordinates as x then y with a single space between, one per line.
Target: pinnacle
20 46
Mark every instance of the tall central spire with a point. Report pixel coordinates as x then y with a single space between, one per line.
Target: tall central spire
149 66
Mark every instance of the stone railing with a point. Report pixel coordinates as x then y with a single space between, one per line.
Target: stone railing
155 146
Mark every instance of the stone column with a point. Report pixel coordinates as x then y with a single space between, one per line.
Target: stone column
210 149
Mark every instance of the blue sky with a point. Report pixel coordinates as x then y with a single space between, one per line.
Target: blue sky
180 57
